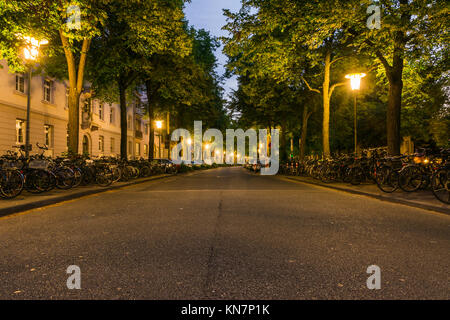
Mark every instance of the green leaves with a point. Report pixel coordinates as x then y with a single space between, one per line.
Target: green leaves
286 42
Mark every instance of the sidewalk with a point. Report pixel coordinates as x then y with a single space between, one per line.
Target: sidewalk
423 199
28 201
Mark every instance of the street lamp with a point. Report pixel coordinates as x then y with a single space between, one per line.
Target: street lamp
159 125
31 55
355 83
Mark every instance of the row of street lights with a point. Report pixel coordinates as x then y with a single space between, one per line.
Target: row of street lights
31 55
355 83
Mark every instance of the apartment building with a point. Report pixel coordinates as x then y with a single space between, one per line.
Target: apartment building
99 121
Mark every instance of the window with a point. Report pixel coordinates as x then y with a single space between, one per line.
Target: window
129 123
113 143
146 129
20 83
20 128
100 112
130 147
138 149
145 150
101 143
86 116
111 115
48 84
48 130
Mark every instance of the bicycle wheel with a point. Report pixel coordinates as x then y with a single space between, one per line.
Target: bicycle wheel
78 177
117 173
88 176
38 181
145 171
410 178
347 175
11 184
104 176
65 178
324 175
357 176
440 185
387 179
135 172
126 174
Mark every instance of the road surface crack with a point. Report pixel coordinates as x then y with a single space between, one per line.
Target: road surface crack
211 263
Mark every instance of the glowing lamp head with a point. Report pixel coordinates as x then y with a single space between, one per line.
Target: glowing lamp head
31 53
159 124
207 146
31 50
189 141
355 80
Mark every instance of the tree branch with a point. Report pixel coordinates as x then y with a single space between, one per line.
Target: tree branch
334 86
131 76
336 60
70 60
82 64
383 60
309 87
380 57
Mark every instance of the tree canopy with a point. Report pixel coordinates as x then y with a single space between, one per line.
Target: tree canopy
312 45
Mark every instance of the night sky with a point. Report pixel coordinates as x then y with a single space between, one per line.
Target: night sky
207 14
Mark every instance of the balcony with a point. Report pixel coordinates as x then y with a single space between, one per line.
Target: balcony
138 134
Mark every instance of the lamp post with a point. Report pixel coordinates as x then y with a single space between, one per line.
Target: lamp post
168 134
31 54
355 82
159 125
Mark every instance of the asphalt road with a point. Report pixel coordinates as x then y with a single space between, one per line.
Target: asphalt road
225 234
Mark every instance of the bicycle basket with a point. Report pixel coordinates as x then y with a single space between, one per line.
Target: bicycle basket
39 164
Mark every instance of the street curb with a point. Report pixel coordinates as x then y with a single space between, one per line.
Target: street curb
379 197
43 203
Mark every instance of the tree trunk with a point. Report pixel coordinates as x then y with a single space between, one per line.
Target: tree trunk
305 119
394 116
395 75
76 79
151 142
283 153
74 121
326 107
123 119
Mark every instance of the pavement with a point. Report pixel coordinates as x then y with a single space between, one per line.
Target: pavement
26 200
420 199
225 234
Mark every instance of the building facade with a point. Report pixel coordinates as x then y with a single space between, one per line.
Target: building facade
99 133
